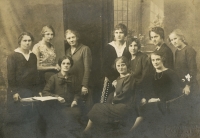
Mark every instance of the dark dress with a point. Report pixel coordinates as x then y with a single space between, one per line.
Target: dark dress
185 63
169 61
21 74
109 57
122 107
60 117
81 69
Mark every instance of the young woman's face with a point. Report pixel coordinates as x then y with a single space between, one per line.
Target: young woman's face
26 42
176 40
133 48
65 65
48 36
121 67
119 35
156 39
71 39
156 61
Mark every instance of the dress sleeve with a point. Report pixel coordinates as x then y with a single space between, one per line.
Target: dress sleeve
87 61
127 90
49 87
11 74
192 65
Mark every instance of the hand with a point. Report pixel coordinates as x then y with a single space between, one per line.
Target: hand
153 100
74 103
186 90
61 100
84 90
143 101
106 79
16 97
114 83
115 94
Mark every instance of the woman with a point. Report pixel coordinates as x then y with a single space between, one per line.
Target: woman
21 74
82 58
185 62
46 56
122 107
62 117
114 49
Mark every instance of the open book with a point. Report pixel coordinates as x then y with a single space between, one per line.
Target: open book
45 98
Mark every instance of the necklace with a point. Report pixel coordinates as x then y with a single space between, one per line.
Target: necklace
157 76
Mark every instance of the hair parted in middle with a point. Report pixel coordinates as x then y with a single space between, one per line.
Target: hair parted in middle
122 27
60 60
161 54
123 59
23 34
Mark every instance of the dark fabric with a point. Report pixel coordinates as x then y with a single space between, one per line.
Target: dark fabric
58 85
185 63
82 64
59 120
109 57
166 85
139 65
21 73
122 104
169 60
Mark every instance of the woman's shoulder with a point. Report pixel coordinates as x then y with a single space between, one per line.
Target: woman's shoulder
141 54
190 49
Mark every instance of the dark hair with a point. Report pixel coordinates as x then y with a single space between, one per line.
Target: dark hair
161 54
44 29
123 59
22 35
122 27
136 40
157 30
76 33
60 60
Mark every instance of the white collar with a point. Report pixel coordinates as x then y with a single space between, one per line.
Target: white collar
25 55
118 51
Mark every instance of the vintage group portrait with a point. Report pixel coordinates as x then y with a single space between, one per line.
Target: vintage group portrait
99 69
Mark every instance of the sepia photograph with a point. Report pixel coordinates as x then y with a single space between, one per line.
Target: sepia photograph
99 69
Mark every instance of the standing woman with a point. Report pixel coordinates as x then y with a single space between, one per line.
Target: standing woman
46 56
21 74
114 49
185 62
82 58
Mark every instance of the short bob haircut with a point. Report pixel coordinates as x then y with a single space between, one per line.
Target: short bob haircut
123 59
122 27
180 34
136 40
161 54
46 28
22 35
76 33
157 30
60 60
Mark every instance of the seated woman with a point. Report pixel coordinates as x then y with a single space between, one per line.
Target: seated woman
122 108
165 83
46 56
166 89
21 74
63 116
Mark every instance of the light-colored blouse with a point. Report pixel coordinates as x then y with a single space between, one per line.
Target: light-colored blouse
47 55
